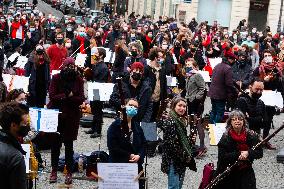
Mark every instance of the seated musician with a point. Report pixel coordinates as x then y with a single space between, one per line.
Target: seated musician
127 146
236 144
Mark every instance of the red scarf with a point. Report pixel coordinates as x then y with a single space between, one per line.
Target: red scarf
82 44
263 68
241 139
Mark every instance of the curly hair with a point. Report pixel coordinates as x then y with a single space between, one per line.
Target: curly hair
13 94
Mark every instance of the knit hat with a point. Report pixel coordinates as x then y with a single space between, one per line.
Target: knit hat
68 61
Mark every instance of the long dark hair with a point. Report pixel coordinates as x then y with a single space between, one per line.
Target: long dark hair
1 72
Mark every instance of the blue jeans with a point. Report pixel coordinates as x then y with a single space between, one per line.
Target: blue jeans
175 181
217 112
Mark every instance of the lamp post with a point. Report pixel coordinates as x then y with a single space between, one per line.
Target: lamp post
280 18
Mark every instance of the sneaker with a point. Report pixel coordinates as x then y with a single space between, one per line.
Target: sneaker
269 146
68 178
95 135
53 176
90 131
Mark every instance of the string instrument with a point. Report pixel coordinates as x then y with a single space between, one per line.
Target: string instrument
124 123
225 173
162 108
193 120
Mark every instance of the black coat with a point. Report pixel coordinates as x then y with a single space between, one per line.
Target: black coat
143 95
149 75
228 153
120 56
100 72
12 164
120 148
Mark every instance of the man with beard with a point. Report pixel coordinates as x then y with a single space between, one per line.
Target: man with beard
252 107
14 123
135 87
66 93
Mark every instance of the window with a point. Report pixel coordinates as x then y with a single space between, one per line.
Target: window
187 1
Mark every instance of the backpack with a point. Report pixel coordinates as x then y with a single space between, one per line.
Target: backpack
208 172
93 159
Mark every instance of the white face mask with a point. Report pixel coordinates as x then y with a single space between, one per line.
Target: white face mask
204 33
268 59
67 45
164 47
132 35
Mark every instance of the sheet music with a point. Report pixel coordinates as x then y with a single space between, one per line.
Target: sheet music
49 120
33 113
21 82
118 175
272 98
80 59
171 81
7 79
13 57
22 60
27 149
110 56
105 90
214 61
205 75
216 132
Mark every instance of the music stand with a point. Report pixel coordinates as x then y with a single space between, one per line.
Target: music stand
150 133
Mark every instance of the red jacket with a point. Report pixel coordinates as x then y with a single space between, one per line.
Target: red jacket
57 56
17 29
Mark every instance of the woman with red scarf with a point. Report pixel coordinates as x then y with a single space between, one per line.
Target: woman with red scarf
236 144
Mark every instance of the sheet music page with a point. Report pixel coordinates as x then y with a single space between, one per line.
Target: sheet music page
49 120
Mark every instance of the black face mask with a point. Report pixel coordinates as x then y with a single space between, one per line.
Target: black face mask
136 76
242 63
134 53
23 131
256 96
60 41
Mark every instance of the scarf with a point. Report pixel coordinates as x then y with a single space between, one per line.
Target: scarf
82 44
264 67
180 125
241 139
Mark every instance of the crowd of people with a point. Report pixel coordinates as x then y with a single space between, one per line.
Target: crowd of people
146 52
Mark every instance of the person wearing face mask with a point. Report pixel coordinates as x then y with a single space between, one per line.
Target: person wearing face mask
17 31
70 31
100 75
252 107
32 38
4 29
112 36
241 71
37 69
68 45
169 60
134 86
130 149
14 124
177 145
135 56
57 53
155 74
249 41
82 45
270 73
147 42
66 93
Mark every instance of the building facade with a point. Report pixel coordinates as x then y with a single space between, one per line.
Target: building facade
228 13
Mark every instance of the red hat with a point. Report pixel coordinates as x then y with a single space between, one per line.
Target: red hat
68 61
230 55
137 65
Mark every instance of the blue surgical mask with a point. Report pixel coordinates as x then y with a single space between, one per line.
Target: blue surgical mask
131 111
188 69
82 34
32 29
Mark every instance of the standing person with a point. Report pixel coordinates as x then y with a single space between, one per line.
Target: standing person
66 93
220 90
14 123
57 53
252 107
177 147
4 29
134 86
121 52
37 69
236 144
100 75
130 149
195 96
17 30
82 45
270 73
155 74
136 56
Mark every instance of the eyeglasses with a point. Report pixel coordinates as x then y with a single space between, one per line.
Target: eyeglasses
237 119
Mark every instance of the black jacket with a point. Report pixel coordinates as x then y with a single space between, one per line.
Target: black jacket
228 153
12 164
255 109
120 56
100 72
149 75
241 73
143 96
120 148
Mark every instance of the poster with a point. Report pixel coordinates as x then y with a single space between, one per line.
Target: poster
118 175
16 82
99 91
214 61
45 120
